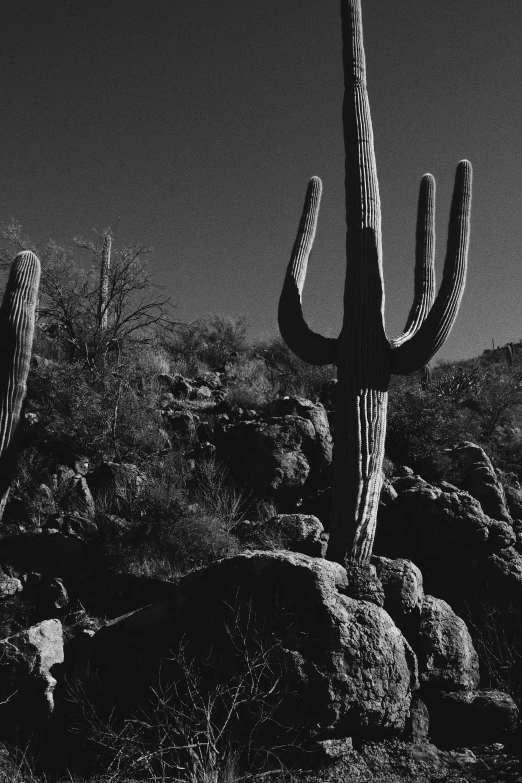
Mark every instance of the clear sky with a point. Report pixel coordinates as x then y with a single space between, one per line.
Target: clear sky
197 124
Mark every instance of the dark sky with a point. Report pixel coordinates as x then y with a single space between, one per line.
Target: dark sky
197 124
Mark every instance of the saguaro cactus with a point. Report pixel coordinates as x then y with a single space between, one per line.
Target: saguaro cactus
103 302
365 357
17 321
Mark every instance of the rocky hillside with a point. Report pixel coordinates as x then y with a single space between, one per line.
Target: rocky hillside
164 598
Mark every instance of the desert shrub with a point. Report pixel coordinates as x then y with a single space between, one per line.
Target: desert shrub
180 521
210 343
192 731
497 636
423 425
289 375
249 385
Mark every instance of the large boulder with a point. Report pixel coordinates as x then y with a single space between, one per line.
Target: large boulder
480 479
316 414
281 454
341 666
445 532
27 682
447 658
471 717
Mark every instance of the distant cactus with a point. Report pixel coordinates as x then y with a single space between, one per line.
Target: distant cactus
103 304
17 322
365 357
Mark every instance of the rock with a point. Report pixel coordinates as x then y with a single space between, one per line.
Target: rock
481 480
26 680
210 379
201 393
447 658
333 749
180 387
52 556
501 536
118 484
403 470
418 724
273 457
9 586
363 583
281 454
403 589
472 717
295 532
513 497
407 482
446 536
342 667
46 594
316 414
77 497
181 423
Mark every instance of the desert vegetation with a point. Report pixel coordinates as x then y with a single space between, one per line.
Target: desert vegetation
224 559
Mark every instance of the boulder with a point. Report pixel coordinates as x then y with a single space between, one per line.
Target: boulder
446 536
27 662
316 414
290 448
341 666
294 532
447 658
481 480
274 456
513 497
418 723
472 717
403 589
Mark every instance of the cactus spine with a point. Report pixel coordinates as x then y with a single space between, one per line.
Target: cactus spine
365 357
17 322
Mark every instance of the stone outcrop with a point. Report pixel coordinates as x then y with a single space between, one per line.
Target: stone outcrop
403 589
27 667
471 717
444 531
447 658
283 453
480 479
343 668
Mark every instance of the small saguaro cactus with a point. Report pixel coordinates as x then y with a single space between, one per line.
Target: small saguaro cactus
103 303
364 355
17 322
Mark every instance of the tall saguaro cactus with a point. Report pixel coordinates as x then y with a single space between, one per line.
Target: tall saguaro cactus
364 356
17 322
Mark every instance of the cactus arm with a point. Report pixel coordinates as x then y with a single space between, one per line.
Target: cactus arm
424 281
419 349
17 322
306 344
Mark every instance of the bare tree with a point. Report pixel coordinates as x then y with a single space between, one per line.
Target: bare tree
95 310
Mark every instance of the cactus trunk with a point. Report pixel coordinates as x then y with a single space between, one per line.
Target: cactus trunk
365 357
17 322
